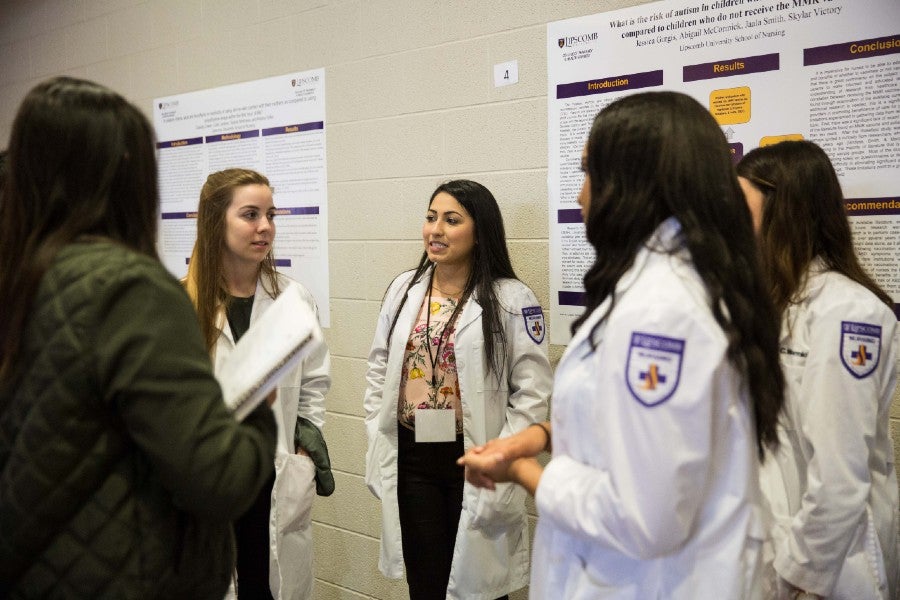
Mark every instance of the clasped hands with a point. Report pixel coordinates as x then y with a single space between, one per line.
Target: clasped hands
507 459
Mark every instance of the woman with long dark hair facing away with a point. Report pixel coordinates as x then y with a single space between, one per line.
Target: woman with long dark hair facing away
459 357
669 389
232 281
120 467
831 485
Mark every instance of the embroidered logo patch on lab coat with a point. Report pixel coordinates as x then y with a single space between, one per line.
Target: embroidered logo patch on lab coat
860 347
653 368
534 323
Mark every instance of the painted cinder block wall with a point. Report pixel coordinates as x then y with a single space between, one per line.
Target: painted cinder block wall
410 103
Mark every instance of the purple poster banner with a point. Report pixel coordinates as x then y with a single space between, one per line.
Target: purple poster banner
298 210
569 215
851 50
230 137
179 215
737 152
179 143
866 207
616 83
571 298
298 128
731 66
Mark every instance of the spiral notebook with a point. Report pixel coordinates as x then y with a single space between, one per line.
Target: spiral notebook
271 347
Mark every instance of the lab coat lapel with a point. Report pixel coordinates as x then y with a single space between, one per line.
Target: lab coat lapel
407 320
471 312
224 327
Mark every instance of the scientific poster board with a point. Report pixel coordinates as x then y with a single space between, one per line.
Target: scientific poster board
275 126
823 70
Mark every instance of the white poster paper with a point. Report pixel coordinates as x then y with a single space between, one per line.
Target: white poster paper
768 70
275 126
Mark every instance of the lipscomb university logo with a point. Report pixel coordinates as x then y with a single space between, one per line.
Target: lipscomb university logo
860 347
653 368
562 42
534 323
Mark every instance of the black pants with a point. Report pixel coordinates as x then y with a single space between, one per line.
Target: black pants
251 531
429 494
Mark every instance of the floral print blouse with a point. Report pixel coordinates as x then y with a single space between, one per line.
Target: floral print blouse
416 387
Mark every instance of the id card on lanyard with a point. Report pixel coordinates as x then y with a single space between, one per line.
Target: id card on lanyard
435 425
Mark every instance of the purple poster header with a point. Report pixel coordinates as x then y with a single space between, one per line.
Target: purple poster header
179 143
731 66
851 50
299 127
569 215
230 137
571 298
865 207
298 210
616 83
179 215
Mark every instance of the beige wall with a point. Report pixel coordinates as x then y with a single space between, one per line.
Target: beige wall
410 103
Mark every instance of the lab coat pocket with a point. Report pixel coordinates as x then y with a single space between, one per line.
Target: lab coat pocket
862 575
496 511
290 530
374 457
603 574
293 493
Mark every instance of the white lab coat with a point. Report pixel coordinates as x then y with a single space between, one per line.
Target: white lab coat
832 486
650 494
490 558
300 394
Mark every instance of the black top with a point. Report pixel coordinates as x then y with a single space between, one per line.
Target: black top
238 314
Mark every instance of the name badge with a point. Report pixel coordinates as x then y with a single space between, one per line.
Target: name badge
435 425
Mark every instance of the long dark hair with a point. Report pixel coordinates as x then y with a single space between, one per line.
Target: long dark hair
803 218
655 155
81 162
490 261
205 282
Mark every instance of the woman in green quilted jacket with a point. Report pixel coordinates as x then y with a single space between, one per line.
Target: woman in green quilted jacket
120 467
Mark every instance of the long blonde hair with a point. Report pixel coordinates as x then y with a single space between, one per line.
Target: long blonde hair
205 281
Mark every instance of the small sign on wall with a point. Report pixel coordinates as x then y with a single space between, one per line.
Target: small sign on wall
506 73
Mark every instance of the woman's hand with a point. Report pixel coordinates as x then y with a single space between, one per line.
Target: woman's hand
531 441
507 459
485 466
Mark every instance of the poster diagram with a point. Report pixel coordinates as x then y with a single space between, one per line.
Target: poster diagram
275 126
768 70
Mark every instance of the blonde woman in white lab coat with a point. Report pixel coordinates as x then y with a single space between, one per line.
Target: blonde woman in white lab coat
459 357
232 281
670 388
831 485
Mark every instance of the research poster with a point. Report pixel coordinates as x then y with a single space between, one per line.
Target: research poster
768 70
275 126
